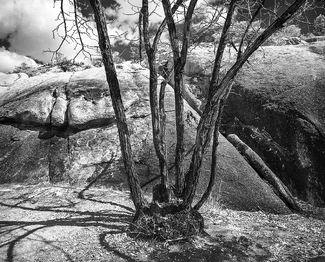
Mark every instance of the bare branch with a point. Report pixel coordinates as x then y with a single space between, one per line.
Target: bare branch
163 24
221 46
74 27
253 17
171 28
186 29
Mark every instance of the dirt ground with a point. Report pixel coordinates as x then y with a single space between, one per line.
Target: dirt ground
51 223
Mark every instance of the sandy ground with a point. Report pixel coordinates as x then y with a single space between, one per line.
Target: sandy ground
50 223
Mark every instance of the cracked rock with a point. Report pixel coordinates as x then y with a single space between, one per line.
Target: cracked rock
68 134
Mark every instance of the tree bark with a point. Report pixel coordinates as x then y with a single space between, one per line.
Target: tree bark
179 59
179 113
221 48
157 108
157 105
179 104
214 156
207 123
203 139
216 120
124 136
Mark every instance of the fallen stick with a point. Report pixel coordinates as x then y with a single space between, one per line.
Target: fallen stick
264 171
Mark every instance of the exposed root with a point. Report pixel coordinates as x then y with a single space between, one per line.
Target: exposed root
166 222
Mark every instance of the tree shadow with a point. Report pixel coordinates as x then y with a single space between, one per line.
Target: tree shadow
81 194
14 231
182 250
95 179
109 248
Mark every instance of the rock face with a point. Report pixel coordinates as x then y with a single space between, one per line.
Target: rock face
277 106
60 127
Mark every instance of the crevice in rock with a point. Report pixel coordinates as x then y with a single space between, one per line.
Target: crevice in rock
49 160
67 97
307 119
140 116
55 96
48 131
69 151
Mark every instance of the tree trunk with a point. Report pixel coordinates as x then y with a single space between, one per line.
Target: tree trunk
179 58
106 51
179 112
264 171
214 156
157 108
203 139
158 126
216 120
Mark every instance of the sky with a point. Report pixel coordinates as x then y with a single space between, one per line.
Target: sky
26 28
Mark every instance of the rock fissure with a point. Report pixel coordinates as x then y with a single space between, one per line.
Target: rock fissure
67 97
140 116
55 96
321 133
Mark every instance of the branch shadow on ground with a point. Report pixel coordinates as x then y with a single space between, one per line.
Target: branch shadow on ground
109 248
82 195
14 231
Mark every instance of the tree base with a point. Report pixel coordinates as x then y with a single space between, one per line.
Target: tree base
162 194
166 221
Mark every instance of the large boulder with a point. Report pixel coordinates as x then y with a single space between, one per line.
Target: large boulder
277 106
60 128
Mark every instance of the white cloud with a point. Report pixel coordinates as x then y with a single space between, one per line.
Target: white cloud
127 17
10 60
124 27
28 26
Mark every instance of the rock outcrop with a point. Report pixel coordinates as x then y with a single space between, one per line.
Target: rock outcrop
60 127
277 106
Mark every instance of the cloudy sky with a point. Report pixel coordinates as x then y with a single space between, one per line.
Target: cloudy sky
26 28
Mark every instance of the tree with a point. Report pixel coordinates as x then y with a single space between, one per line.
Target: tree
158 115
179 208
124 136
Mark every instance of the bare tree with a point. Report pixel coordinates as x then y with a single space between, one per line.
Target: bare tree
186 181
158 115
124 136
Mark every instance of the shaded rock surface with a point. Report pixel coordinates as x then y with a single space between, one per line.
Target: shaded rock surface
60 127
277 107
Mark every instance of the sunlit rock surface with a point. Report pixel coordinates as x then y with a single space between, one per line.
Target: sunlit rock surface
60 127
